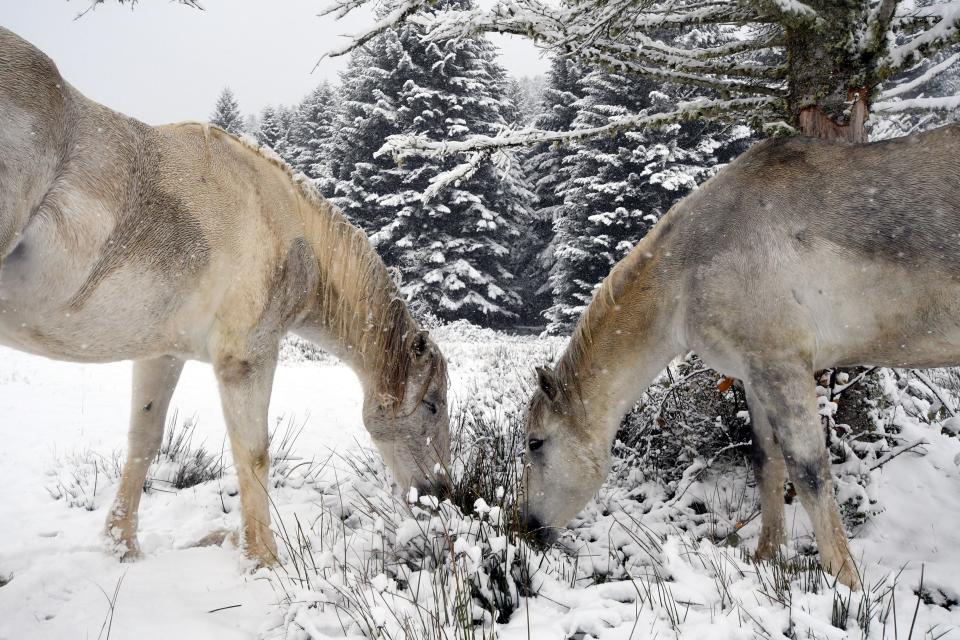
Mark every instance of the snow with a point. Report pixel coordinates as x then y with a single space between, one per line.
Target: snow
942 103
59 567
62 581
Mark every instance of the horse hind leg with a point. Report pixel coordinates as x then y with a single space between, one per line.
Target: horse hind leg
771 473
154 382
787 395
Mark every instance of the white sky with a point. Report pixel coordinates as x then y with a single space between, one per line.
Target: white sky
163 62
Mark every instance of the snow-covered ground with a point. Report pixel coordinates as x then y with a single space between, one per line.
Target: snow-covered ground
53 554
60 583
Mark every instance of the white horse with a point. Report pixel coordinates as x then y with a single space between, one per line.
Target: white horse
798 256
161 244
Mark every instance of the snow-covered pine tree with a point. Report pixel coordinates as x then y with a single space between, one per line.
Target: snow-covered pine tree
548 174
310 135
617 187
525 94
365 114
558 110
276 124
226 114
452 245
270 131
816 67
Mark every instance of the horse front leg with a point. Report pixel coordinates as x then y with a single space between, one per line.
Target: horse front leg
153 384
771 472
784 388
245 385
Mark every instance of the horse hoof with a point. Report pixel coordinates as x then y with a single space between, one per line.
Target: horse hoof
849 577
262 558
131 554
126 548
768 547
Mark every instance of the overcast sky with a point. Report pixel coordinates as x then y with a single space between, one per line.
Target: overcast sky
164 62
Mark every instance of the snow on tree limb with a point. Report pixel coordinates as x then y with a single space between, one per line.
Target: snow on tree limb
792 8
397 16
402 147
922 79
93 5
944 103
460 172
945 30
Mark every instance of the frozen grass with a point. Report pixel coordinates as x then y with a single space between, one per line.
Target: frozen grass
413 566
81 478
658 552
181 463
381 567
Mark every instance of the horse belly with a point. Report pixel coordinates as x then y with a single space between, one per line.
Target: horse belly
129 316
839 308
872 313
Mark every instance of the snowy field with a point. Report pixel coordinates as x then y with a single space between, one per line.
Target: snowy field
646 559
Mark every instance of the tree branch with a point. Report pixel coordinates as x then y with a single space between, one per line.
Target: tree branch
920 80
945 31
945 103
396 17
93 5
406 146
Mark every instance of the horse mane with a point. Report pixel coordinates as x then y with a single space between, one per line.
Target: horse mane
579 354
356 299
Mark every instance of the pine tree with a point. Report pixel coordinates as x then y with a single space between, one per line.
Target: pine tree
548 176
364 118
616 188
311 133
817 67
226 114
276 124
525 94
452 248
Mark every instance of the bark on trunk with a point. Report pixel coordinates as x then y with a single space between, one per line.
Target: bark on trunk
827 79
814 122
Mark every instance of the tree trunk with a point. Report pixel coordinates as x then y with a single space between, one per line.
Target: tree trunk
827 78
813 121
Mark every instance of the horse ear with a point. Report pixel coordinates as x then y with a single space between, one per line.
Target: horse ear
420 346
548 382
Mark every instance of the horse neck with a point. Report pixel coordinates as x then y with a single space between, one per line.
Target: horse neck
356 311
622 341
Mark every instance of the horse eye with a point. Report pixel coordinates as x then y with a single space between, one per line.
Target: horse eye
432 408
535 443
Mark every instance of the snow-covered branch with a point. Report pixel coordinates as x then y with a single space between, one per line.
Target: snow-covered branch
399 14
460 172
922 79
666 74
945 29
93 4
790 8
653 52
751 45
945 103
406 146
